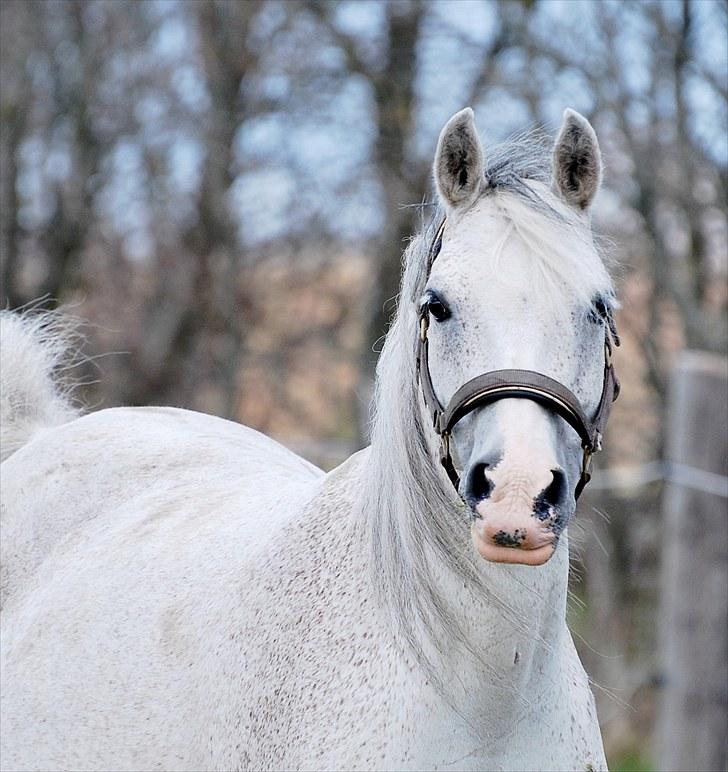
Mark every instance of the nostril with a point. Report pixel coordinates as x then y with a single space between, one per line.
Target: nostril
478 486
552 497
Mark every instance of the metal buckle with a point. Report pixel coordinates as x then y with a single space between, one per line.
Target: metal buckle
424 324
446 461
586 464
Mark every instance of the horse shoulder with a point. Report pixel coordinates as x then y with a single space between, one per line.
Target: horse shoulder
84 471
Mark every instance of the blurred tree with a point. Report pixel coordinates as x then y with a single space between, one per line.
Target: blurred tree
84 136
49 88
203 330
14 113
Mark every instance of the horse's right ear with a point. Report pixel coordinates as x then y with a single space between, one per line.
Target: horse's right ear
459 161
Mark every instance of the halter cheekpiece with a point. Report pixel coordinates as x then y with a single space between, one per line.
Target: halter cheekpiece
520 384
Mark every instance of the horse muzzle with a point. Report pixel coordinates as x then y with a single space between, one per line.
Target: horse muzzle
515 518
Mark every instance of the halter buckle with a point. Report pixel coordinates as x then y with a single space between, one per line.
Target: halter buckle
424 324
586 464
446 461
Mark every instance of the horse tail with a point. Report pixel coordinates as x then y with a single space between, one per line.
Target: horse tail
35 349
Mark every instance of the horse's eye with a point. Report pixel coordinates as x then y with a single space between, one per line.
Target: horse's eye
438 309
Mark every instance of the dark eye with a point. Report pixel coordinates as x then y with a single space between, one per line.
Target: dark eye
437 308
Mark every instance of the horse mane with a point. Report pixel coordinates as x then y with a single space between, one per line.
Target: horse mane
418 528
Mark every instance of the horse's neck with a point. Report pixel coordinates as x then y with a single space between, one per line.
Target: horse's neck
515 617
525 647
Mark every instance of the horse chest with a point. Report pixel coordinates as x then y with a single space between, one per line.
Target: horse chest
327 689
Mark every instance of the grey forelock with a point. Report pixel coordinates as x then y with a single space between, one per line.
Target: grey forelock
523 157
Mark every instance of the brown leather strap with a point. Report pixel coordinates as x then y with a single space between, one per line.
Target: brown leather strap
436 245
525 384
423 369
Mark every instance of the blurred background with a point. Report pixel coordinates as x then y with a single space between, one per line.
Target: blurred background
223 189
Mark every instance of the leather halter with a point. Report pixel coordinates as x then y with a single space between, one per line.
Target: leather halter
520 384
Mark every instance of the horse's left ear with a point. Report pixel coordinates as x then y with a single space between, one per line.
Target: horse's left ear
577 161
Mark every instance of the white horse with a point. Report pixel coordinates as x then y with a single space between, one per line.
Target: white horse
183 593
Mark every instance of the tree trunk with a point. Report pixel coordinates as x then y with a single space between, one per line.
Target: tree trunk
394 95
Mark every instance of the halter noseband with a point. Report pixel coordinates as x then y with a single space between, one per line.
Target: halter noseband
520 384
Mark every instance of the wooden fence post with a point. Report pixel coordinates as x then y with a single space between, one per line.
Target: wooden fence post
693 716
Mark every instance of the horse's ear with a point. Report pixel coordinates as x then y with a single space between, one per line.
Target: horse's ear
459 161
577 161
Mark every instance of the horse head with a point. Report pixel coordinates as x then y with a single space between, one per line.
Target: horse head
515 333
